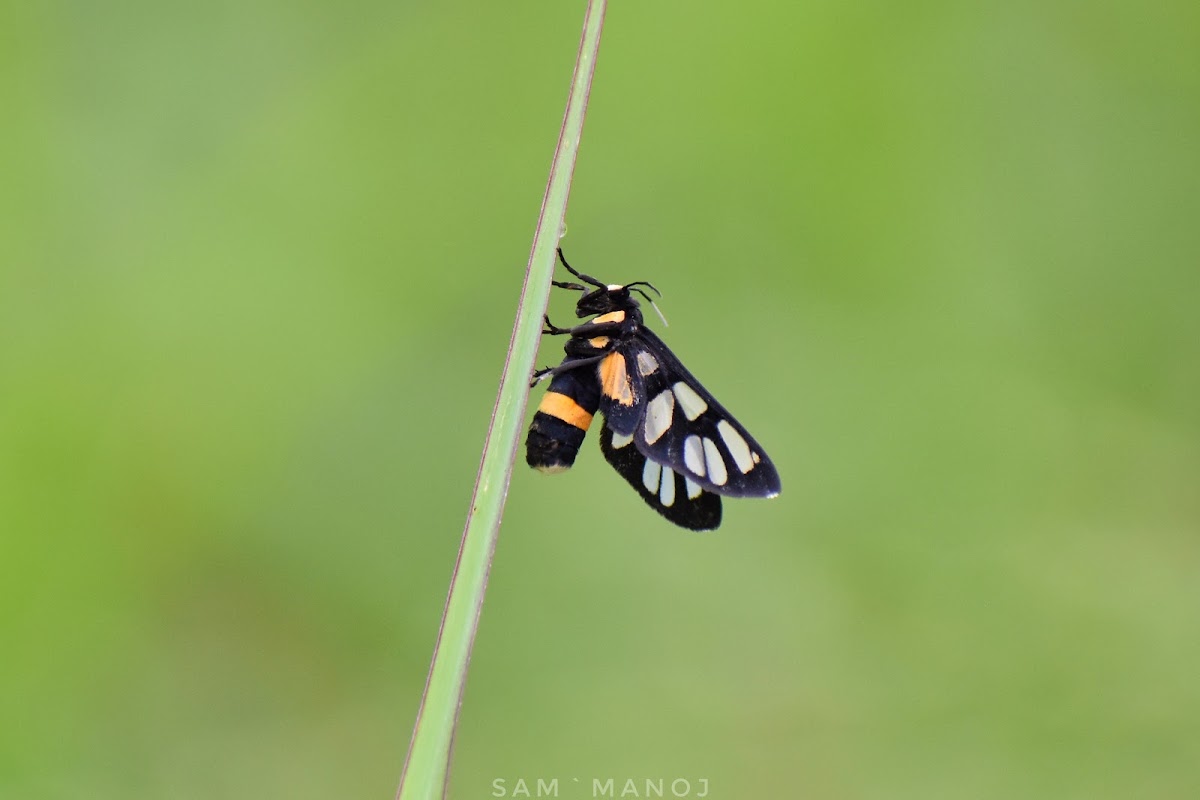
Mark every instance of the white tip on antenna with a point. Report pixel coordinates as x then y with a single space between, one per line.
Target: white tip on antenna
660 313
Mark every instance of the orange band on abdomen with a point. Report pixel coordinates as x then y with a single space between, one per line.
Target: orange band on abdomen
566 409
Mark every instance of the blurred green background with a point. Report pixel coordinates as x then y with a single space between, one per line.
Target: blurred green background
258 267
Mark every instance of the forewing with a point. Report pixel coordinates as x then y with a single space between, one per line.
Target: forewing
684 428
622 392
679 499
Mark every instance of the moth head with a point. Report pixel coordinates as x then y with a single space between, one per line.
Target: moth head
605 298
602 301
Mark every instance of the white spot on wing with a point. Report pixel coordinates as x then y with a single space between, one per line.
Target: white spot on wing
736 445
693 489
755 457
658 416
693 455
619 440
650 473
666 492
693 405
647 364
716 464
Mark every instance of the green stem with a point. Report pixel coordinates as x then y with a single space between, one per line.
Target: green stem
427 767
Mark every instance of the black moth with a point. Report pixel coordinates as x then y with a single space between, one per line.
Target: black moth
666 435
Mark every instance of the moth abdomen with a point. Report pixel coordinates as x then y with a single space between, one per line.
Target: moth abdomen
562 420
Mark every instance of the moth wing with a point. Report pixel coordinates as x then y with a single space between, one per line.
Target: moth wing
670 493
682 426
622 391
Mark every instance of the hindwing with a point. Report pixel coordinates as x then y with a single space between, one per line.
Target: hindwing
678 498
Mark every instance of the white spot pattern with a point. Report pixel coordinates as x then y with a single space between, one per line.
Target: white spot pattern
693 455
666 492
650 475
693 405
647 364
693 489
619 440
736 445
658 416
716 464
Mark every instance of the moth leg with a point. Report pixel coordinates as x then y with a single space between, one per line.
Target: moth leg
590 329
580 275
552 329
548 372
585 331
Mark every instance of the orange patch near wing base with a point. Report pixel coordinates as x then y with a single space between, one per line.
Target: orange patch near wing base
566 409
612 316
614 380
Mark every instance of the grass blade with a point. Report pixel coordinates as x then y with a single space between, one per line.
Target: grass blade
427 767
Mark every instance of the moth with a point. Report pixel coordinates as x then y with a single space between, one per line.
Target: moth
665 434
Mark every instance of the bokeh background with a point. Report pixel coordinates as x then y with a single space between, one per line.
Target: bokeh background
259 267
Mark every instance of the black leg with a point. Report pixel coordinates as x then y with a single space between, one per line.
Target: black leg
549 372
590 329
580 275
584 331
552 329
